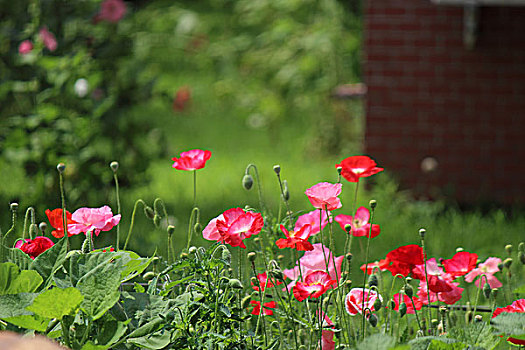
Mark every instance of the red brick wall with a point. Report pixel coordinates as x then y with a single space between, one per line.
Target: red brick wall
428 96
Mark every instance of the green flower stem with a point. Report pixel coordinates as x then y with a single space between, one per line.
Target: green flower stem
262 294
259 186
415 313
139 201
3 239
194 218
478 292
288 212
194 188
63 199
288 310
322 239
117 194
30 213
389 296
366 266
430 326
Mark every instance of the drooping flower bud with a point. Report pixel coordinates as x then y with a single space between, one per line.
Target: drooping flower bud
245 302
148 211
247 182
409 291
286 192
392 304
372 281
114 166
235 284
226 255
252 256
508 263
277 274
170 229
156 220
33 230
192 250
494 293
148 276
197 228
378 304
486 290
402 309
372 320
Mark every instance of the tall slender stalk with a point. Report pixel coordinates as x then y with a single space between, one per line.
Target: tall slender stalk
422 233
373 204
137 202
114 166
259 185
61 167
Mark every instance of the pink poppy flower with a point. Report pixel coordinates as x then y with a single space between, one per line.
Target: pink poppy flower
317 222
34 247
265 282
191 160
450 297
354 300
517 306
25 47
295 239
233 226
359 223
48 38
324 195
327 337
488 268
267 308
438 280
460 264
314 260
381 264
315 284
408 302
356 167
111 11
93 220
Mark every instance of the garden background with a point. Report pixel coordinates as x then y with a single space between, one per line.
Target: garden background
251 81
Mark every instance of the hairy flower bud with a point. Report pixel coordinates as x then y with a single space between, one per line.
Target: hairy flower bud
339 170
226 255
486 290
235 284
192 250
61 167
348 228
372 319
183 255
277 274
508 263
252 256
409 291
508 248
148 211
170 229
422 233
277 169
286 192
42 226
349 257
13 206
114 166
373 204
245 302
402 309
247 182
459 249
372 280
478 318
378 304
494 293
148 276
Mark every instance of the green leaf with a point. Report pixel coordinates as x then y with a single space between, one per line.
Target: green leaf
56 302
18 257
91 346
519 290
12 305
35 322
440 345
111 331
377 341
47 263
14 281
476 335
157 340
423 343
510 324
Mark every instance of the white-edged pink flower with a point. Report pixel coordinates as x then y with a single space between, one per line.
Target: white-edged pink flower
315 284
48 38
191 160
93 220
359 223
313 219
488 268
324 195
354 300
233 226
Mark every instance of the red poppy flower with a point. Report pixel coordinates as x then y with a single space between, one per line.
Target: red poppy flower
324 195
404 259
56 220
181 99
233 226
265 282
460 264
34 247
438 280
359 223
408 302
356 167
296 239
381 264
315 284
267 307
191 160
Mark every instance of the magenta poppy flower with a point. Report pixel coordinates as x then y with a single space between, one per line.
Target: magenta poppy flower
451 297
25 47
315 284
296 239
460 264
48 38
233 226
112 11
356 167
267 308
518 306
488 268
92 220
191 160
438 280
315 260
34 247
359 223
354 300
324 195
265 282
317 222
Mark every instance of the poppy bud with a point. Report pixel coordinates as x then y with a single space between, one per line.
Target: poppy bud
521 257
378 304
227 256
521 247
156 220
372 281
339 170
478 318
409 291
286 193
247 182
392 304
85 246
443 311
42 226
372 320
494 292
61 167
148 276
155 260
148 211
402 309
183 255
277 274
348 228
197 228
245 302
373 204
459 249
486 290
508 248
114 166
170 229
256 240
408 279
349 257
252 256
348 283
235 284
13 206
501 266
277 169
508 263
33 230
434 323
192 250
422 233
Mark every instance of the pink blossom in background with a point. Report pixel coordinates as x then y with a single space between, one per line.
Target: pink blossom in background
488 268
359 223
191 160
324 195
111 11
93 220
315 284
354 300
264 282
313 219
25 47
327 337
34 247
233 226
48 38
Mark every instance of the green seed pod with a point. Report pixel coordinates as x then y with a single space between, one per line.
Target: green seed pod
235 284
378 304
372 320
508 249
508 263
486 290
372 281
349 257
85 246
192 250
170 229
13 206
197 228
61 167
339 170
42 226
226 255
252 256
372 204
478 318
245 302
148 211
247 182
114 166
402 309
409 291
148 276
277 169
286 192
422 233
521 257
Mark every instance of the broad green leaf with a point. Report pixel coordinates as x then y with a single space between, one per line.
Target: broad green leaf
91 346
14 281
111 331
510 324
47 263
377 341
157 340
423 343
476 335
439 345
12 305
135 266
35 322
56 302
